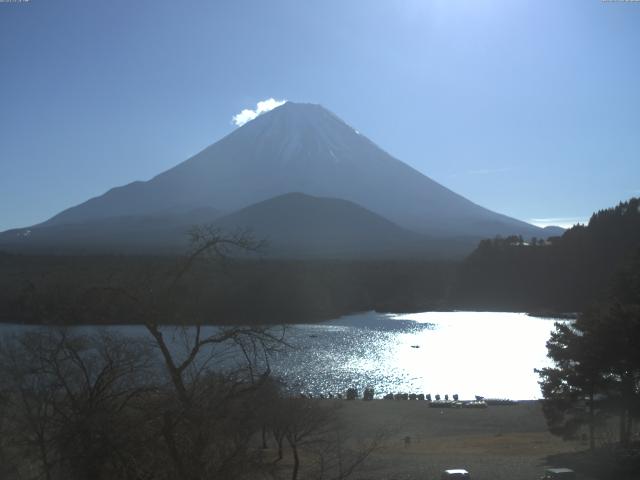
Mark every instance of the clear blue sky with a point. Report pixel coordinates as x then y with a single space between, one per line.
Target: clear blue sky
530 108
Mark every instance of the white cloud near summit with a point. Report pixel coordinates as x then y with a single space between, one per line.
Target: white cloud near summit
247 115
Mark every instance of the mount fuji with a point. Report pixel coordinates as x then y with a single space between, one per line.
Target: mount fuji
294 148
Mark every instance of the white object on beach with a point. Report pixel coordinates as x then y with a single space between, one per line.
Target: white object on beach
456 473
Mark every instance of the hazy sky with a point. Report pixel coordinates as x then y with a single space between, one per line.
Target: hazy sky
529 108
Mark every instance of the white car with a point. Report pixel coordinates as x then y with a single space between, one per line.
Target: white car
455 474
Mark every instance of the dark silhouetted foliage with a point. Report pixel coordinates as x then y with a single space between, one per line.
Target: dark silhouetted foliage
597 363
71 290
563 274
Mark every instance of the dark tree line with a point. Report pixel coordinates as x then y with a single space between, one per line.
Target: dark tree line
63 289
563 274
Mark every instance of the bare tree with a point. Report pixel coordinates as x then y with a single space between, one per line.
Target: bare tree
321 446
341 455
305 427
69 402
213 374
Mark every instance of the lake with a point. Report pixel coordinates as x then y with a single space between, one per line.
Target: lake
492 354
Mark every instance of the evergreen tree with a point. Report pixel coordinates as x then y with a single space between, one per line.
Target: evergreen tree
597 363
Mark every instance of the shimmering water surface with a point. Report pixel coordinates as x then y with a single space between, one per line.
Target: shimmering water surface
468 353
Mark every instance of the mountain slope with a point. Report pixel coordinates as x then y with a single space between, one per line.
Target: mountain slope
164 232
296 224
301 148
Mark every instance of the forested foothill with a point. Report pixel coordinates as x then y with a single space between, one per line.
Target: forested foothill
561 274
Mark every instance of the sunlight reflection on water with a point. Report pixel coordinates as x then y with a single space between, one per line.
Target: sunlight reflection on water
468 353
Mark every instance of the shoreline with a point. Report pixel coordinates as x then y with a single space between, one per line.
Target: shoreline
546 315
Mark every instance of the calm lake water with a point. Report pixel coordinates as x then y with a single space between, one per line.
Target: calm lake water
468 353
